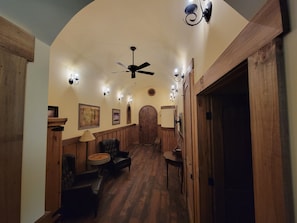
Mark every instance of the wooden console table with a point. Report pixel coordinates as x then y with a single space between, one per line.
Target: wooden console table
174 160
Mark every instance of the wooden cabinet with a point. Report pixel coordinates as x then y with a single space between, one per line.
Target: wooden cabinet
54 164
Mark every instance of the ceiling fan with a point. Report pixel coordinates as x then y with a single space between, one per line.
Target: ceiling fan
134 68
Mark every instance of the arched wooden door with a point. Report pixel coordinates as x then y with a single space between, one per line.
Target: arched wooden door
148 125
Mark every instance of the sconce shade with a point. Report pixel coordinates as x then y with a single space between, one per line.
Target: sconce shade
87 137
191 9
73 79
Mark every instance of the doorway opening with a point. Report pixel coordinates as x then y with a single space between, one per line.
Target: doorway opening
225 152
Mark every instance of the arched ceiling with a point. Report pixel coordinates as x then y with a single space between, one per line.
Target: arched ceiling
102 32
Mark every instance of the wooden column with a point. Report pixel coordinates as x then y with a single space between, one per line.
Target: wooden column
269 135
16 48
54 164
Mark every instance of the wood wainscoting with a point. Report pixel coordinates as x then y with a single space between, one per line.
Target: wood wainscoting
127 135
168 139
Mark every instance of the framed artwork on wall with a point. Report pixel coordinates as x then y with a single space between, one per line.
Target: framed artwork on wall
116 116
88 116
52 111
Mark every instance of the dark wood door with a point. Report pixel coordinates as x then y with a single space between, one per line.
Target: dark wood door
148 125
232 160
225 156
205 161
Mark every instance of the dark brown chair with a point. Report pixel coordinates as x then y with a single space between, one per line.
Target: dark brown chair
80 192
119 159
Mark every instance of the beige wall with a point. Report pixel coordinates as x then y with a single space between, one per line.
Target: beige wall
209 40
90 91
35 131
291 81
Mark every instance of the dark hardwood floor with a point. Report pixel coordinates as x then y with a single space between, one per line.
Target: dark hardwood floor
141 195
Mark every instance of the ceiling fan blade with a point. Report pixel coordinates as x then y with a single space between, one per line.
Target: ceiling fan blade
114 72
132 74
146 64
145 72
119 63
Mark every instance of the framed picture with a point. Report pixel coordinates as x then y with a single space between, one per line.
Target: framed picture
116 116
53 111
88 116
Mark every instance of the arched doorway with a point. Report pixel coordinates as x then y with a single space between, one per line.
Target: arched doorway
128 114
148 125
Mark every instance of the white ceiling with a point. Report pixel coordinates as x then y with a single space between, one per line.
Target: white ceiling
103 31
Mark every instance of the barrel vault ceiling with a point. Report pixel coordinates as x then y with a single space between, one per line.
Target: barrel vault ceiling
102 31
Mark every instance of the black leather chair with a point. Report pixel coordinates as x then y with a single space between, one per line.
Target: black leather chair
119 159
80 192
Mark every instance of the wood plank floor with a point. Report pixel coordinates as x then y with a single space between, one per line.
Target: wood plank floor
141 195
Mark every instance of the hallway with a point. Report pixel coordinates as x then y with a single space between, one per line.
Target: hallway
141 196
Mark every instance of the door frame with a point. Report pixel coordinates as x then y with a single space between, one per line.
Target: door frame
272 192
267 24
211 142
188 152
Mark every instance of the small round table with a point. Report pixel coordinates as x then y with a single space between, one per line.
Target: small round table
174 160
98 159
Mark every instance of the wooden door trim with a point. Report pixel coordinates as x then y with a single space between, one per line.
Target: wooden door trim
269 131
16 41
17 48
188 142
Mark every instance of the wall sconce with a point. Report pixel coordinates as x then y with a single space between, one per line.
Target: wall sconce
177 76
120 97
73 79
172 97
193 10
173 93
130 99
106 91
174 89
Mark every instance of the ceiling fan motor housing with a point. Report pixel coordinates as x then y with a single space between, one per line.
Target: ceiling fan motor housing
134 68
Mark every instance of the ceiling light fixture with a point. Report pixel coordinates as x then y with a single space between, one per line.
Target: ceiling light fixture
194 15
